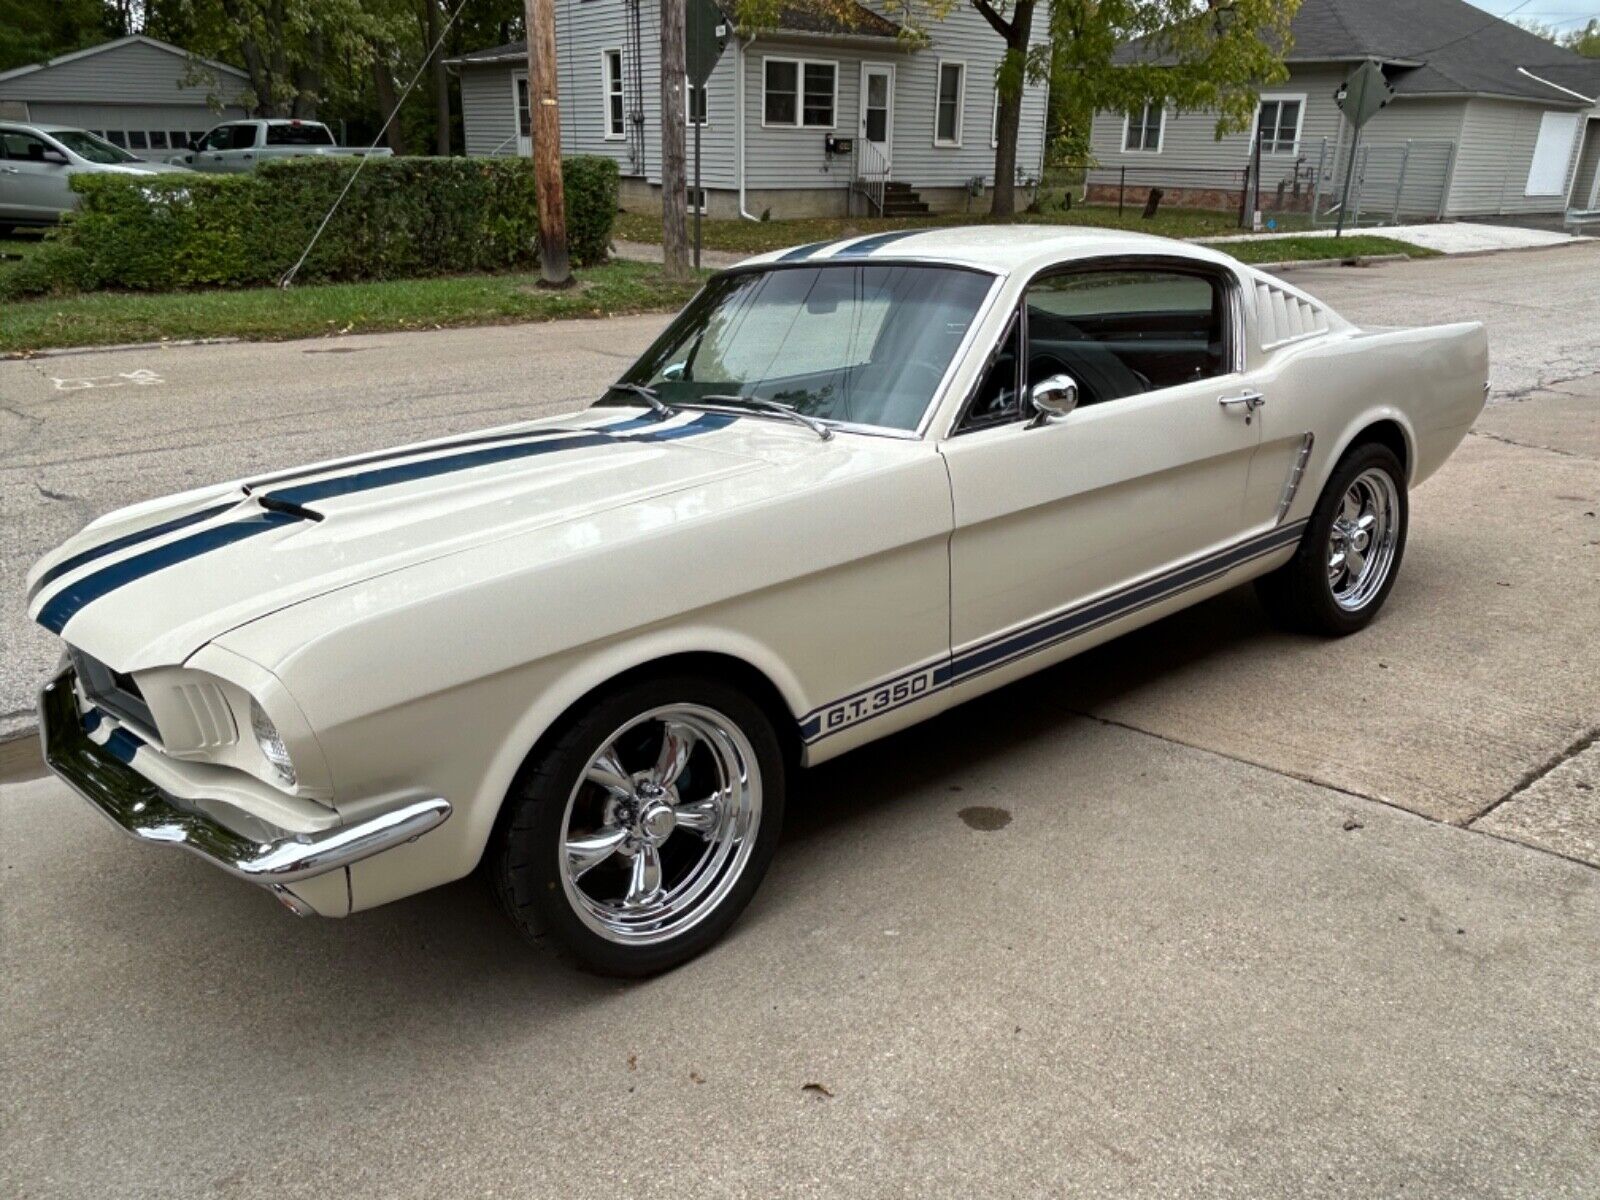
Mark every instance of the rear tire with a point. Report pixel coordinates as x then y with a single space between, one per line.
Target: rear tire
637 837
1350 553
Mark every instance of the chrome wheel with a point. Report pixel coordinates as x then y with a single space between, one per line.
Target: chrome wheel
660 825
1362 539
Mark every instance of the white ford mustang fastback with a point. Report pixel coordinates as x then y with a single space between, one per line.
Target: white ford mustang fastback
853 484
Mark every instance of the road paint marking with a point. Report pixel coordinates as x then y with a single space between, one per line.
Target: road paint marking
143 377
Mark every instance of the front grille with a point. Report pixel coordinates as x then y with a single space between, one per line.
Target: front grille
113 691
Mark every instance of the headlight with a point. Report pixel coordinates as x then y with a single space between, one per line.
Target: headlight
272 747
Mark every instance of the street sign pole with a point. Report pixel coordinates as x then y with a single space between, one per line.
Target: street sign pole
705 37
1359 98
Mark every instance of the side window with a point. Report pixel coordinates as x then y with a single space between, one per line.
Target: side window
23 147
1123 332
996 400
220 138
244 137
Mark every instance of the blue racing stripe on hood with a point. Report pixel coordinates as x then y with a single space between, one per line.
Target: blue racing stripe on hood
67 565
66 603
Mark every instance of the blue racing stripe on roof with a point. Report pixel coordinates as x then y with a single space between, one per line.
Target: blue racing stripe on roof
878 240
67 565
66 603
806 251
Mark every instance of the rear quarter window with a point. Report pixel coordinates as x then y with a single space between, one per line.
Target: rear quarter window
298 135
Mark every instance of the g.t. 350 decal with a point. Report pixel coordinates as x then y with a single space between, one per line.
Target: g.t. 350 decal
874 701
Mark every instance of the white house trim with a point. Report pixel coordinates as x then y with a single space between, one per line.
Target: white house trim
90 51
800 65
1161 130
1255 122
606 132
961 102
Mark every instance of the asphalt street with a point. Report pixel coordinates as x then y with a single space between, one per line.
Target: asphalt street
1209 911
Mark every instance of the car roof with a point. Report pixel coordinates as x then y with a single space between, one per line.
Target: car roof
1003 249
44 126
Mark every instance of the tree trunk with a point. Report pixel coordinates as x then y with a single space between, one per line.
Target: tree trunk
545 133
383 84
441 83
674 174
1016 32
308 81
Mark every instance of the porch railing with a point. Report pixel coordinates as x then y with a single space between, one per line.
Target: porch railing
870 174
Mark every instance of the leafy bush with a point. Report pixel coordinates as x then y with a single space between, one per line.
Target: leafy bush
402 218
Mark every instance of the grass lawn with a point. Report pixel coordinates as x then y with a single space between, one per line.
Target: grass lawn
267 314
1297 249
754 237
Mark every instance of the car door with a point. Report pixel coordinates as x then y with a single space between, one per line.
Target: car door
240 157
214 148
1065 525
34 177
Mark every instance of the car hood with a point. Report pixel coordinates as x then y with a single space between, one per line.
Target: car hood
148 586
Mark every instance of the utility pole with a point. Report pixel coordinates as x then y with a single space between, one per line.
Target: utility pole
674 175
544 118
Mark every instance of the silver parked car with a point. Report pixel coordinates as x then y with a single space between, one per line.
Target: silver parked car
37 163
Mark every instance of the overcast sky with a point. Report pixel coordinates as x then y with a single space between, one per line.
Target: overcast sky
1563 14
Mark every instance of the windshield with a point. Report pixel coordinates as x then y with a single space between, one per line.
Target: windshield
86 146
858 343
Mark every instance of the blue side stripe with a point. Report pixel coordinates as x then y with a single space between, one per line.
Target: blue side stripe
67 565
66 603
997 652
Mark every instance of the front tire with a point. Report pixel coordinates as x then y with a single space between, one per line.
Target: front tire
1350 553
638 836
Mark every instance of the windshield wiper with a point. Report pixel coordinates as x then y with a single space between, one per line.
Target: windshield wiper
770 406
648 394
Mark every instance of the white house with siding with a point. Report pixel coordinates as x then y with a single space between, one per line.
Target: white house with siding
136 91
1487 119
795 117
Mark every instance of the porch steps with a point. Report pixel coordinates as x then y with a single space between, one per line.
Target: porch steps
900 200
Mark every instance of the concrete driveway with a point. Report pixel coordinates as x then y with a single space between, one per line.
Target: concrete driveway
1209 911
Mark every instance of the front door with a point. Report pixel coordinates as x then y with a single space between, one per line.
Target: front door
877 119
1136 496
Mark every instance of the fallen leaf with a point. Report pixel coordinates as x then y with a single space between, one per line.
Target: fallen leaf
696 1077
817 1089
633 1062
1351 823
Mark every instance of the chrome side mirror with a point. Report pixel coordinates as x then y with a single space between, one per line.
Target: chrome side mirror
1053 398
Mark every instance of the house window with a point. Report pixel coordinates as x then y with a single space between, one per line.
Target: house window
1278 121
137 140
947 112
994 122
524 118
696 199
180 139
158 139
696 98
799 93
612 61
116 137
1142 134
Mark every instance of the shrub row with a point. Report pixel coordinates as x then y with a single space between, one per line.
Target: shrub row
403 217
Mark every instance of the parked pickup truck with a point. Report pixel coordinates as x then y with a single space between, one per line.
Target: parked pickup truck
241 146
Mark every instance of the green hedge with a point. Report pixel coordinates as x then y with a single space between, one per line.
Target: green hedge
402 218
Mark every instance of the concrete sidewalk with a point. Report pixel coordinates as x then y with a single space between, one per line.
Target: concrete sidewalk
1445 237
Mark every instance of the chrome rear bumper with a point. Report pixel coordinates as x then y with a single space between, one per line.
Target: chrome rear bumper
102 775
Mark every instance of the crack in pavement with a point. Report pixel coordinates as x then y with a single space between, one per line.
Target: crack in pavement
1467 826
1505 441
1534 774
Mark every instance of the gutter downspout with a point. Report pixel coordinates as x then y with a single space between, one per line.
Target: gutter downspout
738 102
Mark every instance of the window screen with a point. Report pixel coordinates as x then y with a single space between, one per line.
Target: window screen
1279 123
947 118
782 92
1144 129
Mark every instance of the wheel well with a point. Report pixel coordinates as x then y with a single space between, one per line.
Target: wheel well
725 667
1388 434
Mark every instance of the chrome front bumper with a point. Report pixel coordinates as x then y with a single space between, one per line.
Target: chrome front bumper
103 776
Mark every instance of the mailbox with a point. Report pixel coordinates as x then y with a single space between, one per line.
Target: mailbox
838 145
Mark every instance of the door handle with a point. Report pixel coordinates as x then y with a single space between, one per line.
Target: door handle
1249 401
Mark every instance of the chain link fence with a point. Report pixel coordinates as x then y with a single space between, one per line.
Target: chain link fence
1391 181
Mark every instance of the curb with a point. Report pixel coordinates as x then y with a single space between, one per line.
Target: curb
20 755
118 348
1359 260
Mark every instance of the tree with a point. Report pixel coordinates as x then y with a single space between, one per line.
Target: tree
674 173
1020 61
1211 55
35 31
